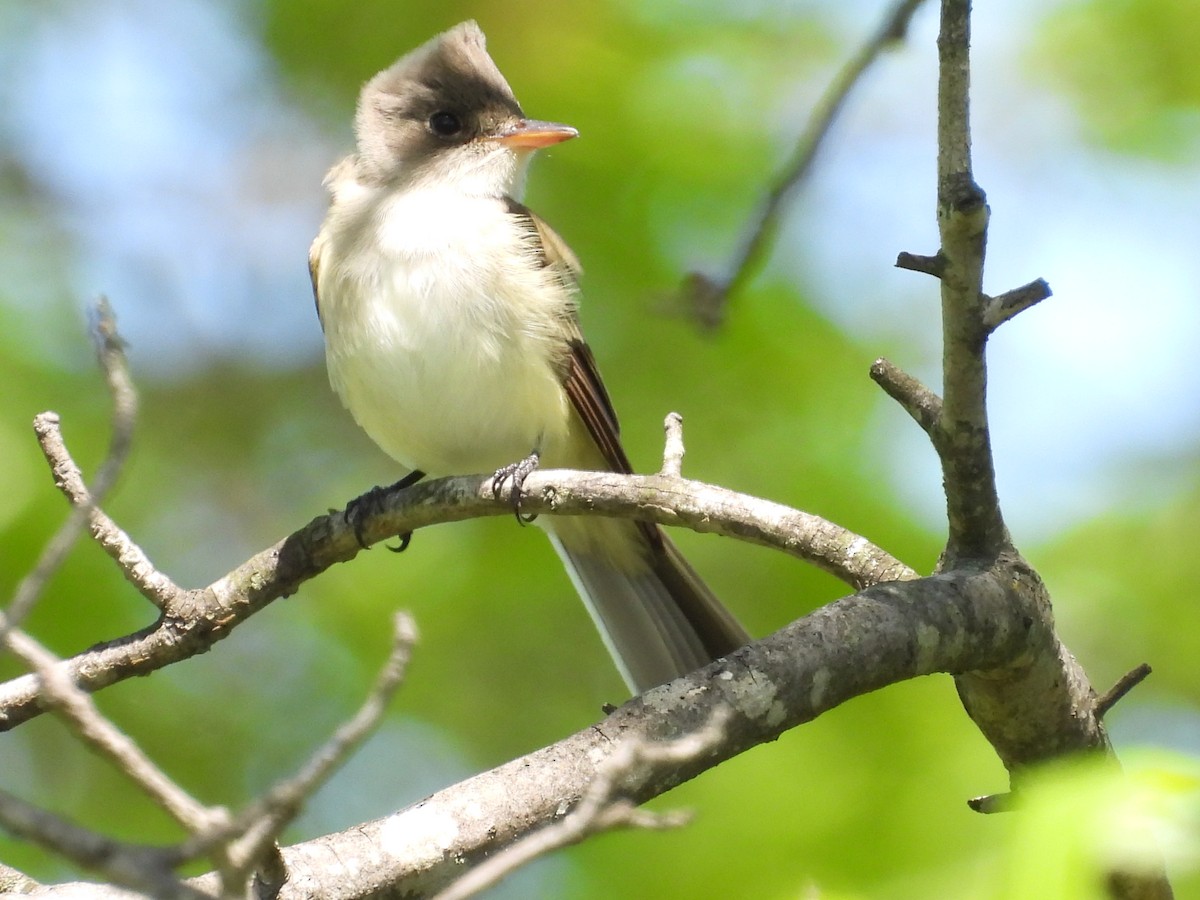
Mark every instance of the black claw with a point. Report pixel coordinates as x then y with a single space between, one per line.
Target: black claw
361 508
516 473
405 540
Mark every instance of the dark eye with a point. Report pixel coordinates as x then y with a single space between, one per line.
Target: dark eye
445 124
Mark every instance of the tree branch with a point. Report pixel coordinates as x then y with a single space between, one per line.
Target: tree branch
985 621
1124 685
602 807
148 869
943 623
709 297
98 734
998 310
962 438
133 563
1017 704
238 845
918 401
194 620
111 355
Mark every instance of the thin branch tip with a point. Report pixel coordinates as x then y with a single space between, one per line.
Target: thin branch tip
705 299
926 265
709 297
1124 685
46 420
673 450
990 804
404 626
103 326
922 404
998 310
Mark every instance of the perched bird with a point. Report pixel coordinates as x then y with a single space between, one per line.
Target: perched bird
451 335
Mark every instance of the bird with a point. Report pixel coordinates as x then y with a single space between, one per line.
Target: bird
450 316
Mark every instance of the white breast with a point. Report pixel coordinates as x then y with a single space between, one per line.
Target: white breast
440 346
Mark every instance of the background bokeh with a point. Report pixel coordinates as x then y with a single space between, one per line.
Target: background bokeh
170 156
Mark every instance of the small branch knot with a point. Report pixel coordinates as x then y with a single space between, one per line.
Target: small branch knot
928 265
959 195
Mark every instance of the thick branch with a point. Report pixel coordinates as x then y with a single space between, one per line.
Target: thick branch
989 620
1005 701
938 624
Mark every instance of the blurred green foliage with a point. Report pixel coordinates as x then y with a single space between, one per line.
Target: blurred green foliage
1077 816
868 801
1131 68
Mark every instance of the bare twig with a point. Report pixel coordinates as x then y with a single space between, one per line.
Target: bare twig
602 807
998 310
258 826
927 265
110 351
917 400
709 297
1124 685
673 446
990 804
96 732
133 563
238 845
148 869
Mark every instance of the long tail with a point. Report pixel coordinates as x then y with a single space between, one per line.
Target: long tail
657 618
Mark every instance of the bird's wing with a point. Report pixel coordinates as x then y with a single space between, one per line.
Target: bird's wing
581 378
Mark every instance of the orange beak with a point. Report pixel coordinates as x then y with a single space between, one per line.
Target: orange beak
531 134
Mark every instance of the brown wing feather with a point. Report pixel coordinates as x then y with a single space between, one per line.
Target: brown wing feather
590 399
581 377
713 626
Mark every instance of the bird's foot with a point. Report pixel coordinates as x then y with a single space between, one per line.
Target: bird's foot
515 473
362 508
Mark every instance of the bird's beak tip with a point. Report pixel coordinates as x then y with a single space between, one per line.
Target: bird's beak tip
533 134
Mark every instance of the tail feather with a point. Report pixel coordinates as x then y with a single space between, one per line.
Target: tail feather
656 616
